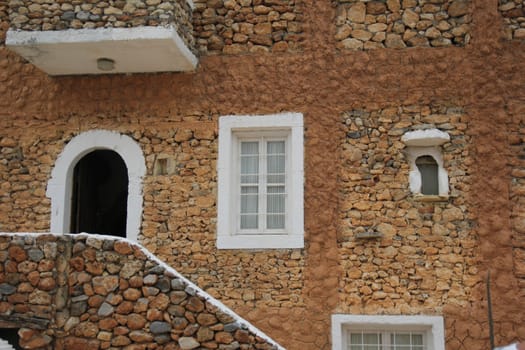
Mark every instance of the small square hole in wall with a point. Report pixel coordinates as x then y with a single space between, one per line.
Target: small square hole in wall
164 165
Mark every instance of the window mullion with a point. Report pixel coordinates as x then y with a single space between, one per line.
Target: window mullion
262 183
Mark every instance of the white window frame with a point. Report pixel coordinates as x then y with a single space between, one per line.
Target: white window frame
232 129
426 143
432 326
60 185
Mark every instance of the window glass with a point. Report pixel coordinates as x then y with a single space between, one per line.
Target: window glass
428 169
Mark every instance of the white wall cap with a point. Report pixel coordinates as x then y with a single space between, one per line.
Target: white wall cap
423 138
76 51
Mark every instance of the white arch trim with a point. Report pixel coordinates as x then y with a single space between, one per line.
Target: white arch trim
59 187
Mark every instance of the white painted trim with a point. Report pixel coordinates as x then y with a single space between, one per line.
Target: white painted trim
168 50
425 138
433 324
414 176
59 187
228 125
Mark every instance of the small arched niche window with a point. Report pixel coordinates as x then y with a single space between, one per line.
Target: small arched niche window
428 168
427 177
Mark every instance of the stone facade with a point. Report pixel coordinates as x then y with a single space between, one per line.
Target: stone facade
513 14
364 25
432 257
425 257
92 292
244 26
42 15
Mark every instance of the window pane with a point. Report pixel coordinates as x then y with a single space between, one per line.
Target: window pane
249 162
275 161
428 169
249 207
275 207
372 339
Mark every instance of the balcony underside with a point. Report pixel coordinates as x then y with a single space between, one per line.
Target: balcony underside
104 50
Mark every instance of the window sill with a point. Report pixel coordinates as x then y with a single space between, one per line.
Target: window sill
430 198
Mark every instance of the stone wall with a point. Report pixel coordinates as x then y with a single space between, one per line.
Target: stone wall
243 26
516 141
425 258
364 25
82 291
41 16
513 14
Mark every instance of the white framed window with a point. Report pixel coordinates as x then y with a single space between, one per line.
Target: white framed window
260 182
374 332
427 175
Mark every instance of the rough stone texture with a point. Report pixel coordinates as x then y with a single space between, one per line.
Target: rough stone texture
158 323
513 14
39 15
366 25
39 115
243 26
426 256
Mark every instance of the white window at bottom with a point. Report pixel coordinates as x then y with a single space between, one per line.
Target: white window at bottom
385 340
260 182
367 332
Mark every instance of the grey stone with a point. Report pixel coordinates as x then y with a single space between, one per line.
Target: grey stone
150 279
188 343
108 244
35 255
158 270
83 15
105 310
159 327
78 246
177 284
7 289
230 327
68 16
164 285
233 346
79 308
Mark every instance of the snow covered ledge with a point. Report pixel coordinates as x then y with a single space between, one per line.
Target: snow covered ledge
104 50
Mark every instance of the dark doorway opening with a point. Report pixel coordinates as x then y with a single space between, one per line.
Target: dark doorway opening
100 194
11 336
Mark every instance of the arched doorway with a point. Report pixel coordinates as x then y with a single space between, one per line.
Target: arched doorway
102 146
100 194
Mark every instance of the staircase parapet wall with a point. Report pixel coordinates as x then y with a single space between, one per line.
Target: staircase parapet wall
94 291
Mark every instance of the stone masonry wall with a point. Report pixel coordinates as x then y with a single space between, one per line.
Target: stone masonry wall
425 259
179 217
364 25
516 141
513 14
43 15
242 26
91 292
180 222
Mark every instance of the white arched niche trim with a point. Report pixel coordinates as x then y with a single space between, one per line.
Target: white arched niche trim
426 143
59 187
